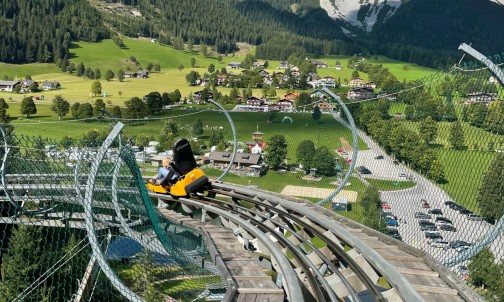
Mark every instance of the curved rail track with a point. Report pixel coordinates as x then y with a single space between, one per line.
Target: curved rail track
314 254
333 258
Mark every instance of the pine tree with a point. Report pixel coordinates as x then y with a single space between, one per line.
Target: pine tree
120 75
456 137
316 114
21 263
80 69
428 130
4 117
491 198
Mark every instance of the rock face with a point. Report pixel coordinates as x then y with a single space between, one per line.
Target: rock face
363 14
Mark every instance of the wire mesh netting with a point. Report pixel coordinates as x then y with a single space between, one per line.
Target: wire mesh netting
77 224
428 171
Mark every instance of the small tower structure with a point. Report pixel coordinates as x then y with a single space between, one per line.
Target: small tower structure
257 136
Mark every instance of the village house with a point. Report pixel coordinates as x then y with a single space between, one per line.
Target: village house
254 101
355 82
142 74
50 85
325 82
283 65
319 94
286 105
234 65
361 93
258 65
8 86
264 74
197 96
480 97
319 64
26 84
291 95
338 67
221 78
326 106
371 85
130 74
242 160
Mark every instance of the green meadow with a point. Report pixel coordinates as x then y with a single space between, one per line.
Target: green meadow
402 70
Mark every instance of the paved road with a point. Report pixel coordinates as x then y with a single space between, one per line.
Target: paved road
405 203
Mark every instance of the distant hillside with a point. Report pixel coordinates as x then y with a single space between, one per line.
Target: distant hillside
426 32
41 31
443 25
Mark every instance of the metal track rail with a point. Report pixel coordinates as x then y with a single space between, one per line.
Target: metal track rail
264 216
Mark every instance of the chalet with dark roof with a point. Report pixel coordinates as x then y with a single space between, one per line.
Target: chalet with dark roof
50 85
234 65
26 84
361 93
480 97
241 159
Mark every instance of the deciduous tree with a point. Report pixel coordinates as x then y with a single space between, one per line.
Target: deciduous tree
276 151
60 106
96 88
197 127
428 130
28 106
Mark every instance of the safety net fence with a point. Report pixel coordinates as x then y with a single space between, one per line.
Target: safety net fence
77 225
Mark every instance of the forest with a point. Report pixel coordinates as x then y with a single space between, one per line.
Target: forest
41 31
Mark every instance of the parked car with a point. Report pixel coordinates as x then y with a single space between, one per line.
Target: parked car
385 206
462 248
393 232
458 243
439 244
443 219
391 216
395 162
379 157
455 206
447 227
391 222
433 236
362 170
402 174
474 217
448 202
465 211
435 212
428 228
422 215
425 223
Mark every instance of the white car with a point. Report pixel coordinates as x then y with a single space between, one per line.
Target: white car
439 244
443 223
474 217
